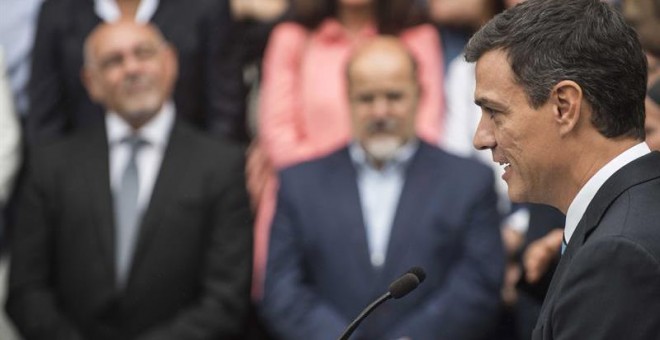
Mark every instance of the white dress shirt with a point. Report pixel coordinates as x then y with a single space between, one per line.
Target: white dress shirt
109 11
581 201
380 190
149 157
17 31
10 136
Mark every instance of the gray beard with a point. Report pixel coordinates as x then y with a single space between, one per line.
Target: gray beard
382 149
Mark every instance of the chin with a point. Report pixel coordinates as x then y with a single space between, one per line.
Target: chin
382 148
517 196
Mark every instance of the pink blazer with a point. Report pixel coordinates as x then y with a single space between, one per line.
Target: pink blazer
304 110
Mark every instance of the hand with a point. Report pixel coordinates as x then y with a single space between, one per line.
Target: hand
259 10
513 240
541 253
258 169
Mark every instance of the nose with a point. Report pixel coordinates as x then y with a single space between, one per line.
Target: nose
131 64
484 137
380 106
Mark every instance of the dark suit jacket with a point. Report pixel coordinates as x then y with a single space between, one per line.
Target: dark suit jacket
607 284
191 270
319 275
209 88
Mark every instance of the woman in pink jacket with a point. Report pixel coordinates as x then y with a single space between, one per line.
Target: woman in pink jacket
303 109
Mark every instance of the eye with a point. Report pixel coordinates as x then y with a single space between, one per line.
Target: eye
490 112
145 52
394 96
365 98
111 62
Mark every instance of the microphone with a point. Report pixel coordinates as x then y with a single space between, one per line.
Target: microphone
419 272
397 289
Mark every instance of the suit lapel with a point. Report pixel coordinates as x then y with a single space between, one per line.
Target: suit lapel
170 174
638 171
95 169
343 187
418 183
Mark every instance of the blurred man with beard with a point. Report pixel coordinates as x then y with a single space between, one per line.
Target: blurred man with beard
139 228
349 223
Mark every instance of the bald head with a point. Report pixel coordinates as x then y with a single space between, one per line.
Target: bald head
385 52
117 28
384 93
129 69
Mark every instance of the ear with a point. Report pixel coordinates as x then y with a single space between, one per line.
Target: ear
567 109
172 60
90 84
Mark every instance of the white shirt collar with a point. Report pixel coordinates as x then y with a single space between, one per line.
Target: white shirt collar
109 11
589 190
156 131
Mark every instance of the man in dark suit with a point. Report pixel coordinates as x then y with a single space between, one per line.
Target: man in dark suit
209 90
351 222
561 84
138 229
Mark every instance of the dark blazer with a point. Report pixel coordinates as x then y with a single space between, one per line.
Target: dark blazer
191 270
209 88
319 275
607 283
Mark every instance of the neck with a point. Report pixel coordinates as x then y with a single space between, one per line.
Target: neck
355 18
590 158
128 8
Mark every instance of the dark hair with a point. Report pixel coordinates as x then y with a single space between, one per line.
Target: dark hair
392 16
585 41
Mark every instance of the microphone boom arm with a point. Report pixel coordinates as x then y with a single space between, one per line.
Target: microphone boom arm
351 328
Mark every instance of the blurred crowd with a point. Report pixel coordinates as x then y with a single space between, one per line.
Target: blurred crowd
262 169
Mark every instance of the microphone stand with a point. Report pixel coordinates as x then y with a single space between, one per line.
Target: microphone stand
351 328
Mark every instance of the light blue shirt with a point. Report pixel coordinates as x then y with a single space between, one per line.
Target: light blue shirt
380 190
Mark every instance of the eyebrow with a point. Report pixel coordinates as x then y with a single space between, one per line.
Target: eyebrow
489 103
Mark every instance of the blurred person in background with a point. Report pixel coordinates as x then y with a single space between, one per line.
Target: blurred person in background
349 223
17 30
458 20
303 110
10 143
208 90
132 229
644 16
254 20
652 122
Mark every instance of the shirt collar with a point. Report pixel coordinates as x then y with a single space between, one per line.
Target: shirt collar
401 158
581 201
332 30
109 11
156 131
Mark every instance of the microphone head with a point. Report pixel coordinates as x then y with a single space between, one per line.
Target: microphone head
403 285
419 272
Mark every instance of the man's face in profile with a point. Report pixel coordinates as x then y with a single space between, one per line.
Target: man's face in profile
521 138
